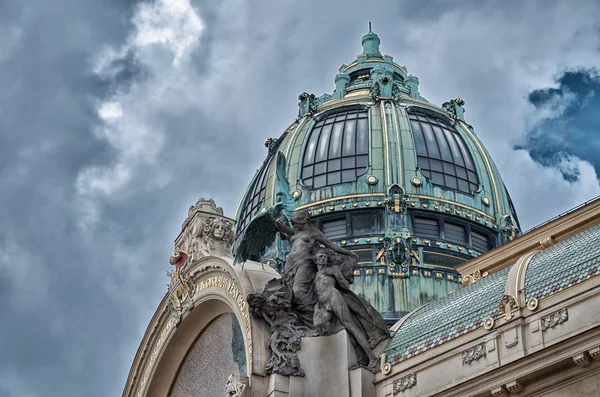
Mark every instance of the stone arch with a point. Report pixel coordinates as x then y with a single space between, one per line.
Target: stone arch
219 288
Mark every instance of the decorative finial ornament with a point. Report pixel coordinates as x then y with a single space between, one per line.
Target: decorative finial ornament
370 43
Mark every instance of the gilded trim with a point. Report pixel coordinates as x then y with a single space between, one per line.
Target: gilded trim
399 67
487 162
400 157
350 196
357 93
350 66
387 143
453 203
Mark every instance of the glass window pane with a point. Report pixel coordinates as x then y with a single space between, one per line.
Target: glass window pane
348 175
334 178
323 147
435 165
320 168
309 154
437 178
334 229
334 165
455 233
465 153
423 163
320 181
432 148
424 227
343 134
473 187
448 168
419 139
363 224
443 144
362 161
472 176
349 138
335 147
307 171
458 159
308 181
348 162
435 140
451 182
362 137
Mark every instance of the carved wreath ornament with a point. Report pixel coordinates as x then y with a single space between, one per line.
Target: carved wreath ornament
405 383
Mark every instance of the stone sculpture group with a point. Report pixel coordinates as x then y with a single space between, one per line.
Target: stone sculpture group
313 298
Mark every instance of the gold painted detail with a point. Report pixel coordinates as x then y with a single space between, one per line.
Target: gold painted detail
357 272
441 200
416 181
489 323
547 242
369 272
381 271
485 201
532 304
297 194
357 93
372 180
158 346
474 277
386 368
352 196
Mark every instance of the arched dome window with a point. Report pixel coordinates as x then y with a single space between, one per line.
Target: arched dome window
255 196
442 155
337 150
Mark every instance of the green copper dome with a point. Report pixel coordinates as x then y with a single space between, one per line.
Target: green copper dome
405 184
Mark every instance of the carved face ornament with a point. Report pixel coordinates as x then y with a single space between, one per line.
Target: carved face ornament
219 231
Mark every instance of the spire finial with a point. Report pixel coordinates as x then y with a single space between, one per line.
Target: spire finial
370 42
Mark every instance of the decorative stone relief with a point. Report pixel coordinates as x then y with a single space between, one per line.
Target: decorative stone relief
508 304
554 319
206 231
401 385
181 288
236 385
474 353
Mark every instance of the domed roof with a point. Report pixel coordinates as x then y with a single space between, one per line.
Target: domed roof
378 165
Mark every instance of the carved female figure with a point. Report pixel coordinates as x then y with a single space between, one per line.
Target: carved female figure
300 268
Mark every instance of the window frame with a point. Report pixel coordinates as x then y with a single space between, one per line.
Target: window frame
448 148
310 167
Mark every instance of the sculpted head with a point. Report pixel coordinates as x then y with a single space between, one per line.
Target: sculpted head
300 219
219 230
321 257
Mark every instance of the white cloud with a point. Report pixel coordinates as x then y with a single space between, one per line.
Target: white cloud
131 124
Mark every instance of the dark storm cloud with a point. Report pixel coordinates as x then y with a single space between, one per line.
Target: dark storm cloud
115 116
575 131
51 307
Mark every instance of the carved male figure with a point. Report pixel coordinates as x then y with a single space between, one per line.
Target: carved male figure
335 300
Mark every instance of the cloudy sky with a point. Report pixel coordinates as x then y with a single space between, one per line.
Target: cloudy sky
116 115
